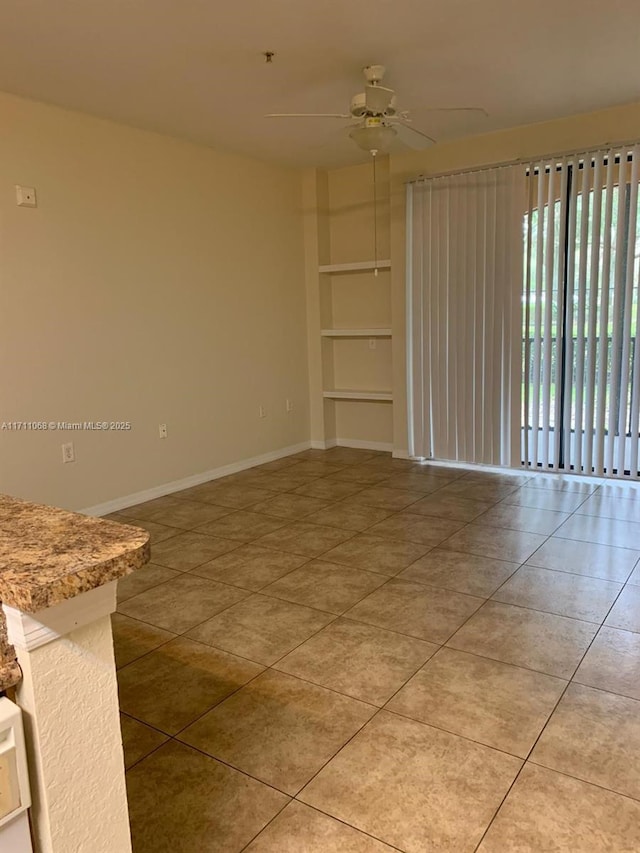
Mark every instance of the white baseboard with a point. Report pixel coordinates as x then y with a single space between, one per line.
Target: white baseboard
194 480
401 454
472 466
384 446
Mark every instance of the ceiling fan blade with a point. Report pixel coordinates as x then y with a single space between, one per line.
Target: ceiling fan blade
412 137
307 115
378 98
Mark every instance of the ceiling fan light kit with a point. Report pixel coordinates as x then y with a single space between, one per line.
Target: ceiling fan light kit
373 136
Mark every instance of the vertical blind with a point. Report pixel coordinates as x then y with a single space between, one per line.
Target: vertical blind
464 283
581 400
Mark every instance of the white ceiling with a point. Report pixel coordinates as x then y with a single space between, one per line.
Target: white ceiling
194 68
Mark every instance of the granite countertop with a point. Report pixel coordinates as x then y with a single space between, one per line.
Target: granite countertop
48 555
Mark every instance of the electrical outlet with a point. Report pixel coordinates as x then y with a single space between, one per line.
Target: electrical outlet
162 430
372 343
68 453
289 406
262 412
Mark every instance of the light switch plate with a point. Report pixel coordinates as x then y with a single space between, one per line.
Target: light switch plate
26 196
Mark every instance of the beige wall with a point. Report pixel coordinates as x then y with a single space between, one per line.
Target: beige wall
156 282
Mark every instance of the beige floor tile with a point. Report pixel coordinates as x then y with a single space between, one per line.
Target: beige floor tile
226 494
411 527
560 483
350 455
413 482
188 550
634 578
174 685
142 579
316 468
325 586
276 465
242 526
612 663
515 546
285 481
546 811
313 454
132 639
606 506
147 509
290 506
419 611
545 499
138 740
188 514
630 491
349 516
279 729
594 736
250 567
364 475
329 490
300 829
478 491
455 508
413 786
309 540
528 638
360 660
385 498
261 628
157 532
377 554
585 558
388 463
447 472
562 593
526 518
507 477
606 531
494 703
459 572
625 613
201 804
181 603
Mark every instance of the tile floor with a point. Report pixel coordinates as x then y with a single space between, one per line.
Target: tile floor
339 651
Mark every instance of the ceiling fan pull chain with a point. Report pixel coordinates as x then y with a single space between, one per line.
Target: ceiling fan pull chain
375 219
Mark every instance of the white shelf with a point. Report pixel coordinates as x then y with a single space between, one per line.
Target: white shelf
358 266
344 394
356 333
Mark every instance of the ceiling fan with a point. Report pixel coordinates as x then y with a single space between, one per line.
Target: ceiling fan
378 121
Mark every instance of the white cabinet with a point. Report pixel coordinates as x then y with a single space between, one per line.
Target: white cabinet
14 781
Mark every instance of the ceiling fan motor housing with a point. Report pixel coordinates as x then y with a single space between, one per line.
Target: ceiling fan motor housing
359 106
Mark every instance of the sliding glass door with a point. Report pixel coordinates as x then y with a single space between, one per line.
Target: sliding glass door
581 376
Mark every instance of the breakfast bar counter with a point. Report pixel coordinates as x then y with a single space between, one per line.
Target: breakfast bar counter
58 573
